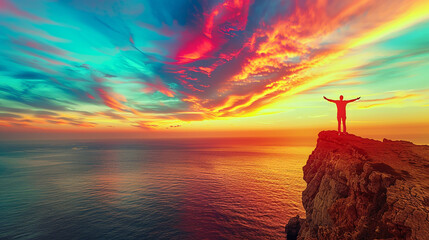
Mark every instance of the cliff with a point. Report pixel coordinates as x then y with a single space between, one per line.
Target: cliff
360 188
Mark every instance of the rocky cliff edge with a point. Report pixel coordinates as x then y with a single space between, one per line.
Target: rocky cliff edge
360 188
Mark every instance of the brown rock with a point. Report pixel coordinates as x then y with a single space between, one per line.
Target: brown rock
361 188
292 228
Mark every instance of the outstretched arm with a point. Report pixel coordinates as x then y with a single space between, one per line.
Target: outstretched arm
353 100
328 99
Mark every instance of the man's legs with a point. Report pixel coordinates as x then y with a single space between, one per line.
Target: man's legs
339 124
344 124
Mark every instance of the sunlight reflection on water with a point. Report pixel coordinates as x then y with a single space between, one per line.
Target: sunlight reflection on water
156 190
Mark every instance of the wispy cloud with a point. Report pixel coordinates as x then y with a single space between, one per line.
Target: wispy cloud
388 100
123 61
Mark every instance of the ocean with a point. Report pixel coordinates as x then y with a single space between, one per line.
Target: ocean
150 189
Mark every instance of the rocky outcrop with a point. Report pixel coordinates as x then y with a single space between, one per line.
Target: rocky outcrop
292 227
361 188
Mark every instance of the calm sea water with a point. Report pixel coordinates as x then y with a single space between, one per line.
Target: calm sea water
150 189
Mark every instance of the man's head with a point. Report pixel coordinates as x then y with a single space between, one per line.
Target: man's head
341 97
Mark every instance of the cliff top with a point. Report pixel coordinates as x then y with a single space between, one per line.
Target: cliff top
403 158
359 188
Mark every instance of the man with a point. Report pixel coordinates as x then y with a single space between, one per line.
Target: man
341 111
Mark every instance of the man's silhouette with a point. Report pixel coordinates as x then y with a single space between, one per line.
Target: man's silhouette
341 111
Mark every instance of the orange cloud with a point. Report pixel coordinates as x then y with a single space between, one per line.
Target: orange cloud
145 125
112 100
286 54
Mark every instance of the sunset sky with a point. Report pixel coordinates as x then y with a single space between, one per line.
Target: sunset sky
175 67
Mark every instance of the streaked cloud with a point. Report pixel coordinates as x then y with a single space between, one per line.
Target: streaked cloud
162 64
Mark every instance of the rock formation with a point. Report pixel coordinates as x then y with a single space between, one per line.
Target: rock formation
361 188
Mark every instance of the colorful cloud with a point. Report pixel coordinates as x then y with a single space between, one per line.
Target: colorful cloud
158 64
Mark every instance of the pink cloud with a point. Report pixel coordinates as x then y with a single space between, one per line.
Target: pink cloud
160 87
8 7
197 44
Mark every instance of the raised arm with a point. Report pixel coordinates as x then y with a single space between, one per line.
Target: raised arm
328 99
352 100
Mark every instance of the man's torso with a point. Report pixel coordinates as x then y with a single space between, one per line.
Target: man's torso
341 108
